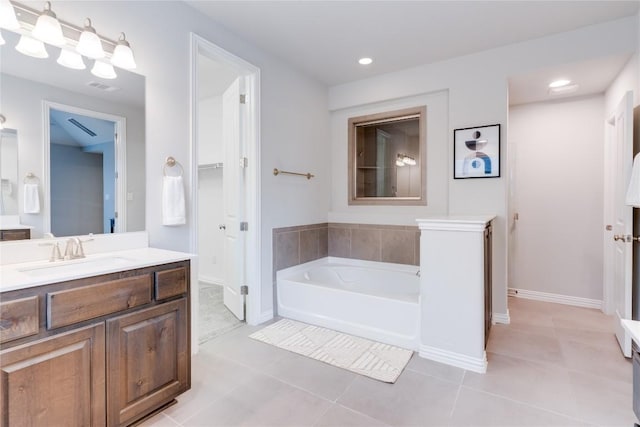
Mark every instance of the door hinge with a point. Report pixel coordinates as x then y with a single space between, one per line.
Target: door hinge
244 290
244 226
244 162
243 98
116 214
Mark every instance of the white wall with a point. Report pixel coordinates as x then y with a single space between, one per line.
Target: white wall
293 114
628 79
478 95
9 173
22 105
558 169
210 192
210 148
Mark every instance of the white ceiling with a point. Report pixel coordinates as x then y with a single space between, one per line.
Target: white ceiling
325 38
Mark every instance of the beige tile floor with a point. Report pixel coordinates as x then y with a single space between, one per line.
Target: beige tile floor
554 365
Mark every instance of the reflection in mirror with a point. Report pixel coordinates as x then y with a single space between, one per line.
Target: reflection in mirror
28 84
82 170
387 158
8 172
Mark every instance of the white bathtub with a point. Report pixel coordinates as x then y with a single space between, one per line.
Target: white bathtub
379 301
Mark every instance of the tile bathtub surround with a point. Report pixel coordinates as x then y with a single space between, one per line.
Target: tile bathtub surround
240 381
372 242
387 243
297 245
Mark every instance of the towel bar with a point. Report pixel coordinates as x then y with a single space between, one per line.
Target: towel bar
277 171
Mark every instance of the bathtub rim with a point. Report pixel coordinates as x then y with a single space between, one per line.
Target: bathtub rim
285 273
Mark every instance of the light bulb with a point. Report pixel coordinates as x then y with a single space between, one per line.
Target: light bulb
89 43
2 42
103 70
31 47
8 18
123 55
71 60
48 28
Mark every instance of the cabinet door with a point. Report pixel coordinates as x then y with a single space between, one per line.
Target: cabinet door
147 360
57 381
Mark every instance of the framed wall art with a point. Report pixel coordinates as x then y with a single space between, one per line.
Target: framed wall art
476 152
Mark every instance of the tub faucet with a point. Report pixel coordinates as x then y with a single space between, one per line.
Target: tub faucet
418 273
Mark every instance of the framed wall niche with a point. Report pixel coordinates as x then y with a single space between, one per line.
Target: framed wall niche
387 158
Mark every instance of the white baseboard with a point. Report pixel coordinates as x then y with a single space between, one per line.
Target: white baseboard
211 280
502 318
557 298
265 316
463 361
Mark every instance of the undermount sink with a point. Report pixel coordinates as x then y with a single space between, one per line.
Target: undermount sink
76 266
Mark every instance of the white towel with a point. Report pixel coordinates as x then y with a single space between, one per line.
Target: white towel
31 200
173 209
633 191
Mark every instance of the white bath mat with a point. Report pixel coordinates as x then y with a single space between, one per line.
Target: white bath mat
376 360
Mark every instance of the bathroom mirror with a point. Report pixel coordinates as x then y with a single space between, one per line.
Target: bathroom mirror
9 172
387 153
27 86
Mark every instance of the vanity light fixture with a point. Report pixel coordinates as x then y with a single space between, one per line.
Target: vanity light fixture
123 55
103 70
8 18
45 27
365 61
2 120
89 44
403 160
48 28
29 46
71 59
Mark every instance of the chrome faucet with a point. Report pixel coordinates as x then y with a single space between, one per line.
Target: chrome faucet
55 251
74 248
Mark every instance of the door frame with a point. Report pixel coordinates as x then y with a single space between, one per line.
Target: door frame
252 131
120 146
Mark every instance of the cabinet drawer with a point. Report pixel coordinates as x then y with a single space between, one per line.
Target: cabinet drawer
15 235
170 283
18 318
87 302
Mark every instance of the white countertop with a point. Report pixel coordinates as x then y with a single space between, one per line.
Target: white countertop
15 227
29 274
633 327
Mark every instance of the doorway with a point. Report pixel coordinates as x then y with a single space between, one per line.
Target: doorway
225 165
84 171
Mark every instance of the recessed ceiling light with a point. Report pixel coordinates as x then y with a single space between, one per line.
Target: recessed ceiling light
365 61
559 83
563 90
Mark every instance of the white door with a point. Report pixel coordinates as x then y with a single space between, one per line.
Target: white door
233 187
620 134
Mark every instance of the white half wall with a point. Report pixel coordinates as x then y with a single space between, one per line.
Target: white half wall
558 169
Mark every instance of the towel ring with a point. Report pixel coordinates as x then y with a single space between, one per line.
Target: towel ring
171 162
30 177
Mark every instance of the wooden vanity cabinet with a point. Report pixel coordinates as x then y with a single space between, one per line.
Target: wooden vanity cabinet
67 360
147 360
56 381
